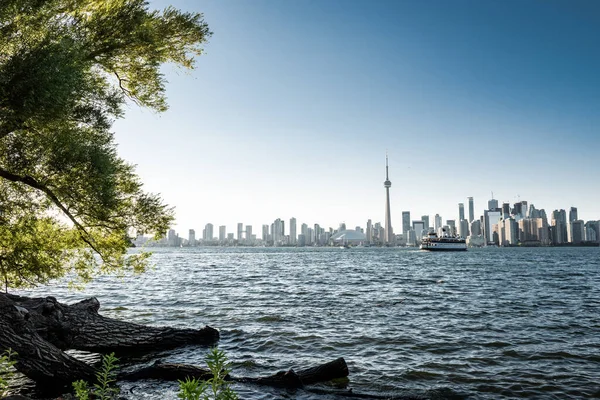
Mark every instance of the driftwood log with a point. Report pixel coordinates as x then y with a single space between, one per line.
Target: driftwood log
39 329
286 379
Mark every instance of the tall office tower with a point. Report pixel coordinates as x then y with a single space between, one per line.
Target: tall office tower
425 219
389 234
493 203
419 228
369 233
310 239
317 230
248 233
240 230
471 210
491 216
506 210
475 228
265 233
576 231
463 228
405 222
192 238
573 214
304 231
592 231
437 222
278 231
172 238
222 233
208 232
461 211
518 209
293 237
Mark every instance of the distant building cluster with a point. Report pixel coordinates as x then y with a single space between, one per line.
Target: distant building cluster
518 225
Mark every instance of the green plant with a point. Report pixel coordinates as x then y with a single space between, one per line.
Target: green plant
104 388
6 363
215 388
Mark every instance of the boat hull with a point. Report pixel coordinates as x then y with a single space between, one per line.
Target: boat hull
444 246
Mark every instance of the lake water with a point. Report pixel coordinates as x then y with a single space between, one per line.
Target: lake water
482 324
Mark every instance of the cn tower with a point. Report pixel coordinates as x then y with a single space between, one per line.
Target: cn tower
389 234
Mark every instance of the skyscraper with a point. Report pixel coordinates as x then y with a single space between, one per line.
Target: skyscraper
437 224
192 238
573 214
389 234
461 211
425 219
471 210
405 222
240 230
292 230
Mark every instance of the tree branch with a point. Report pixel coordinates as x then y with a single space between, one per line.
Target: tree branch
32 182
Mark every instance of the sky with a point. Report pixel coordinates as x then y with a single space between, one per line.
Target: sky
294 104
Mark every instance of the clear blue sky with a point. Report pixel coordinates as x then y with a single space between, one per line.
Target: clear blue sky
291 109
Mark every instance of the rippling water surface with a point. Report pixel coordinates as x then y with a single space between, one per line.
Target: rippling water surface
485 324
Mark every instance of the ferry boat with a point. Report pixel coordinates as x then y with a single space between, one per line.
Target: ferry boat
445 242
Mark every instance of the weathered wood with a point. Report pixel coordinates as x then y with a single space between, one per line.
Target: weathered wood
290 379
79 326
38 359
284 379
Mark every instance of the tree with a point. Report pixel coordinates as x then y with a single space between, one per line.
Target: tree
68 203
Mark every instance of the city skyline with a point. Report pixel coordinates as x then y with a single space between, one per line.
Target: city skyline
491 204
293 105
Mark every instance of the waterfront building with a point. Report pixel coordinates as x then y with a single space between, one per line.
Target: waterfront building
191 237
475 228
559 222
293 239
405 221
419 227
576 231
222 233
573 214
301 240
592 231
230 237
388 218
265 234
506 210
304 231
411 238
491 218
240 230
463 228
172 238
437 222
425 219
461 211
207 233
471 210
248 233
369 232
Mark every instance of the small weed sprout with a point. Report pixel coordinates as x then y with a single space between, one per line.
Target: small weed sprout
105 388
216 388
7 362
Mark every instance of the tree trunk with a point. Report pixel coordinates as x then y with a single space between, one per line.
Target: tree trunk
287 379
38 359
79 326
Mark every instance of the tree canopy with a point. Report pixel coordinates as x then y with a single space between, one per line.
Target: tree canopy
68 202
